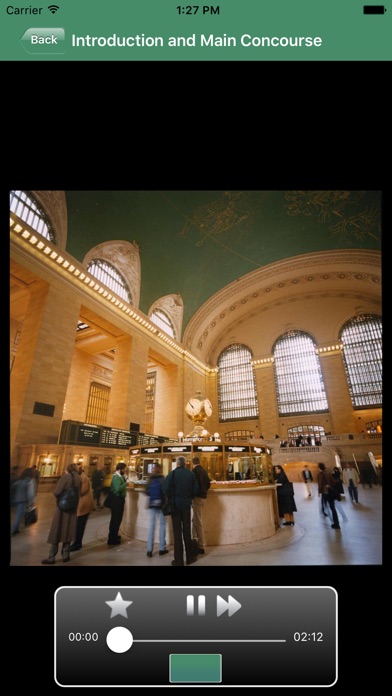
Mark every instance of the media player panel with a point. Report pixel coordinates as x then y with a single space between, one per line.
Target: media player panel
187 636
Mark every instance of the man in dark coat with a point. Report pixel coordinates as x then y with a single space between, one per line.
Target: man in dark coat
182 485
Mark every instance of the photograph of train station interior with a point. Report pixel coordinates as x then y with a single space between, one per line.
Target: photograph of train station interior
240 328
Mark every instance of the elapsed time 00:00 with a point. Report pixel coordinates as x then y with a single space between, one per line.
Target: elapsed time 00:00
83 636
307 637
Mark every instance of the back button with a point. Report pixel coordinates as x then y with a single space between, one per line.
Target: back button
44 40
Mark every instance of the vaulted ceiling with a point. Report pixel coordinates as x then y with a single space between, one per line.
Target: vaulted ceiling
196 242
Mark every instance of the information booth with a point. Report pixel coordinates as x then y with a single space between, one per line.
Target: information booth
241 504
223 462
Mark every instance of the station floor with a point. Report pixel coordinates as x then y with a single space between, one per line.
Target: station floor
311 541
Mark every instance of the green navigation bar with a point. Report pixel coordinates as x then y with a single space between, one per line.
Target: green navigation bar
226 30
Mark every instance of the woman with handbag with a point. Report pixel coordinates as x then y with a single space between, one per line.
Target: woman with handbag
285 492
63 528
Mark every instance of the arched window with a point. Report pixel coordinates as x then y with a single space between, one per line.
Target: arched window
27 210
298 378
162 320
109 276
236 384
362 358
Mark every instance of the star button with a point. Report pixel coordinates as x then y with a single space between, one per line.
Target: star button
118 606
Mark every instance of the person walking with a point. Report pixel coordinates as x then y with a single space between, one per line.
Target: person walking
181 484
285 493
326 490
97 480
23 497
337 477
14 478
198 504
118 491
63 527
85 506
36 477
307 478
155 500
351 479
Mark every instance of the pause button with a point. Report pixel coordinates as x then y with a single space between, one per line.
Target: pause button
190 605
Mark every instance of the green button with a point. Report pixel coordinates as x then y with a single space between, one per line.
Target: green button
44 40
195 669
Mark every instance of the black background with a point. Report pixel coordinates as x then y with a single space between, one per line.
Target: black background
221 125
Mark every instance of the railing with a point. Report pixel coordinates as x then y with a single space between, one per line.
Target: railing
298 449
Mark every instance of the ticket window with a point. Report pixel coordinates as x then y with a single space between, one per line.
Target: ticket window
170 463
108 465
238 468
47 465
262 466
212 462
148 466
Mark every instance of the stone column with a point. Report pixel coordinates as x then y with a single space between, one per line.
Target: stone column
41 369
336 387
266 395
128 390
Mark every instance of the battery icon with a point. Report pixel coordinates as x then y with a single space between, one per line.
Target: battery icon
374 9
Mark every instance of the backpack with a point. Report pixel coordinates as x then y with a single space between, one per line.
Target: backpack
155 491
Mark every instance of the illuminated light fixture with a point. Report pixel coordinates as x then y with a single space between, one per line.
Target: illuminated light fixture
71 268
60 259
47 459
77 272
216 436
47 250
26 234
100 291
105 293
11 221
93 284
33 240
54 255
82 276
18 228
204 432
86 280
180 435
40 245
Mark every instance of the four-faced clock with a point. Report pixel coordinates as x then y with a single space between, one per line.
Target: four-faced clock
193 407
198 408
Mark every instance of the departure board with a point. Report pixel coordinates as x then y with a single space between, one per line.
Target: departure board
114 437
76 433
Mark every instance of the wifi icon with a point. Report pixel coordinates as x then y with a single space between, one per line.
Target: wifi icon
53 8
